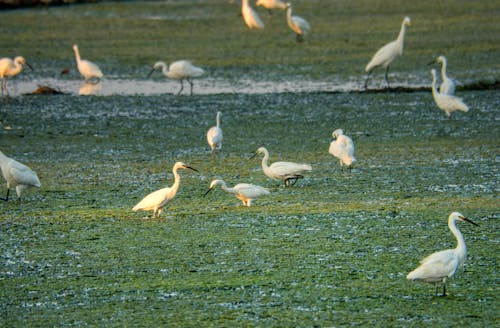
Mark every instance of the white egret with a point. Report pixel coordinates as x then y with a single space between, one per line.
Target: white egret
250 16
388 53
447 85
446 102
298 24
271 4
17 175
342 147
10 68
214 135
87 69
245 192
156 200
285 171
440 266
179 70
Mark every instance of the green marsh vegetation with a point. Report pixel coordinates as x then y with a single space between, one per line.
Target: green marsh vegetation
333 250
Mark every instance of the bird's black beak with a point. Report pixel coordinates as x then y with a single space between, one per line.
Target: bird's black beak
192 168
29 66
152 71
432 62
469 220
253 155
209 190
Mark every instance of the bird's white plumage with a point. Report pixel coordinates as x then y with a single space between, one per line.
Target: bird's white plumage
440 266
87 69
214 135
179 70
388 53
246 192
446 102
282 170
250 16
10 68
17 175
156 200
271 4
342 147
447 85
297 24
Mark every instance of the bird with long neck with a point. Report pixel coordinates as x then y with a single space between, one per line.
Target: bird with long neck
250 16
11 68
87 69
447 85
297 24
214 135
447 103
179 70
245 192
17 175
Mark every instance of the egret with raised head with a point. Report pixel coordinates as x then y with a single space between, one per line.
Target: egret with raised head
17 175
286 171
156 200
447 85
179 70
438 267
214 135
446 102
297 24
11 68
87 69
245 192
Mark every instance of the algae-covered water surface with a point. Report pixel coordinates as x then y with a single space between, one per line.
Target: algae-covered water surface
332 250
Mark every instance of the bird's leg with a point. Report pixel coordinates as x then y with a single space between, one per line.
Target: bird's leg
387 76
286 182
444 289
182 87
6 197
4 87
436 289
191 84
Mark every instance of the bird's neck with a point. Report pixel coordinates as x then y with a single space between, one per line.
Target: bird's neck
77 54
177 182
401 35
227 189
461 248
218 120
289 14
265 160
434 89
443 70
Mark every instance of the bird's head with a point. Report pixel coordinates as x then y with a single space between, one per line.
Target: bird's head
213 184
158 65
181 165
407 21
288 5
458 216
22 61
337 133
261 150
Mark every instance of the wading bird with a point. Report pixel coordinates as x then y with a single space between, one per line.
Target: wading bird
250 16
342 147
440 266
298 24
245 192
388 53
286 171
87 69
447 86
17 175
214 135
10 68
179 70
446 102
156 200
271 4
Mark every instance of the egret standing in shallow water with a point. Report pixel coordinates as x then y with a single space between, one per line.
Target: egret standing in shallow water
10 68
179 70
245 192
446 102
440 266
342 147
388 53
214 135
298 24
250 16
285 171
447 85
17 175
156 200
87 69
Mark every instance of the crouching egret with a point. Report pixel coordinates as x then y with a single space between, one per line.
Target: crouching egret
250 16
245 192
440 266
10 68
342 147
447 85
285 171
17 175
87 69
388 53
446 102
179 70
297 24
214 135
156 200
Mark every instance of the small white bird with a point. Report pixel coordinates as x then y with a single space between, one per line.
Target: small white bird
285 171
342 147
440 266
447 85
298 24
271 4
17 175
87 69
388 53
250 16
156 200
179 70
10 68
446 102
245 192
214 135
